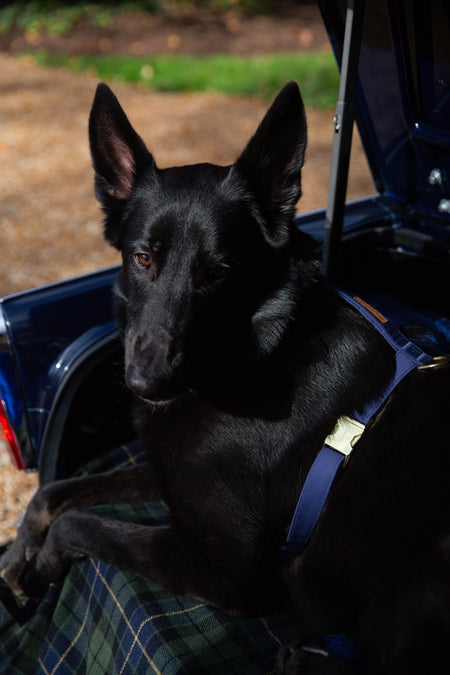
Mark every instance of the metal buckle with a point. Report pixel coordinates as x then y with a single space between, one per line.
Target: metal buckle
345 435
437 362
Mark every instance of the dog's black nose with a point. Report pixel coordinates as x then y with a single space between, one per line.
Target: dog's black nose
137 382
151 386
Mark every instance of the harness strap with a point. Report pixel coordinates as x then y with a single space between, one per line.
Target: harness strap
339 444
407 355
312 500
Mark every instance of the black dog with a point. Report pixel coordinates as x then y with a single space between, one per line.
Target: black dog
242 362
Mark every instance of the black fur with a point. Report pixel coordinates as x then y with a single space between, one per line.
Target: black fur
241 363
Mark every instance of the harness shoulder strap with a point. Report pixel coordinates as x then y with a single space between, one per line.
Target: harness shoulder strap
340 443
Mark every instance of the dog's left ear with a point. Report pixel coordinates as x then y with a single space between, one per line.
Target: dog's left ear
272 161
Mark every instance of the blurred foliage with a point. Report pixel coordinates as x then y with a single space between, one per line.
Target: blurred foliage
61 17
54 17
316 73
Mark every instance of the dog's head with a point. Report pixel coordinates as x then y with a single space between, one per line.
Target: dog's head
205 248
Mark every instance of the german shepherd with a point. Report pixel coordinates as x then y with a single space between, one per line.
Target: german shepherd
241 362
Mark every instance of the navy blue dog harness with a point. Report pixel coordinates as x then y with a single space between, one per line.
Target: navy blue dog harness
348 430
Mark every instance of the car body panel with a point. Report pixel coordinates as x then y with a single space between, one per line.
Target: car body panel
48 330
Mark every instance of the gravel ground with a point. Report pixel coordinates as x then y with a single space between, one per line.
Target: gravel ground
16 490
49 220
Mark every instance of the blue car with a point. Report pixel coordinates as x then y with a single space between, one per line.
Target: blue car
63 403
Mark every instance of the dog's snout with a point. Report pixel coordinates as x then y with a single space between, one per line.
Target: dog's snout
153 372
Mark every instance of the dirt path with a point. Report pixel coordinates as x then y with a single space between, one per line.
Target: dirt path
50 223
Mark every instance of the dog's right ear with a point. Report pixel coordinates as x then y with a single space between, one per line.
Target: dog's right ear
118 155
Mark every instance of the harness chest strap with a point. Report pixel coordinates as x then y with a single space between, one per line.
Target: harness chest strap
347 432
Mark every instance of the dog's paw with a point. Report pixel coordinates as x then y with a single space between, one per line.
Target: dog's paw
49 565
309 660
16 558
30 538
37 575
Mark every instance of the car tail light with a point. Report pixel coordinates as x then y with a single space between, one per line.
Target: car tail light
9 439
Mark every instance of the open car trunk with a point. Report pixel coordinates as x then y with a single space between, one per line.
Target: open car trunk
61 358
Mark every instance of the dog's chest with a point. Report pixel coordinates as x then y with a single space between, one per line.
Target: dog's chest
203 446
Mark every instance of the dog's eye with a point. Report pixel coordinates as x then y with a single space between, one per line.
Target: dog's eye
142 259
209 274
212 275
220 272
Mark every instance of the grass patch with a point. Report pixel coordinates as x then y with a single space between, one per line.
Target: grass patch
316 73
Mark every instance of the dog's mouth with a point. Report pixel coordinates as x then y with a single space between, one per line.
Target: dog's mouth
164 402
155 393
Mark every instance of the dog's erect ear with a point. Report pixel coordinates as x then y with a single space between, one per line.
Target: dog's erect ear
272 161
118 154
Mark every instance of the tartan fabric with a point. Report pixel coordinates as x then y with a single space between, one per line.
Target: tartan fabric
105 620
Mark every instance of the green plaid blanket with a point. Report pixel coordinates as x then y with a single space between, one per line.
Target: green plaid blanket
105 620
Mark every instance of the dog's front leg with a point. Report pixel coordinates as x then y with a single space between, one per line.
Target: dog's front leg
161 553
51 500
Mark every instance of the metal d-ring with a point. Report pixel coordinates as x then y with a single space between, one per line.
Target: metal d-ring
437 362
